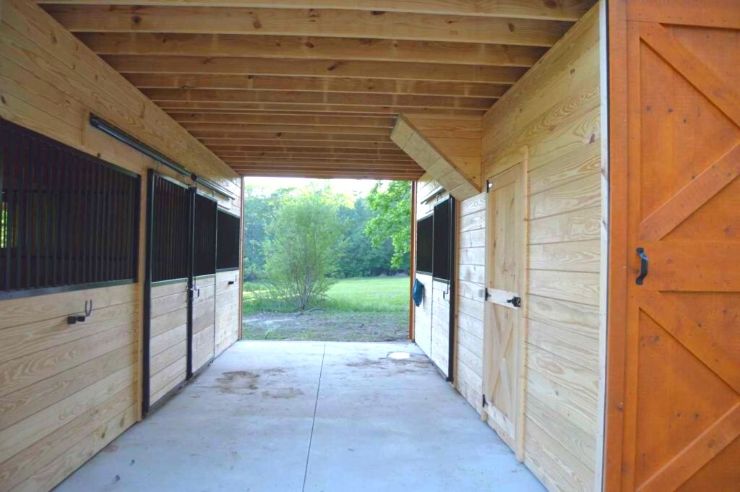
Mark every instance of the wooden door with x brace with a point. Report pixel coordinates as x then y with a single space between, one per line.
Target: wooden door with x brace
504 320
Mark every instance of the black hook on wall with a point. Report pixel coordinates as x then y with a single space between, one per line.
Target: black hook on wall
78 318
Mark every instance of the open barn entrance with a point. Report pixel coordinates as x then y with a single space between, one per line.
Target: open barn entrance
326 260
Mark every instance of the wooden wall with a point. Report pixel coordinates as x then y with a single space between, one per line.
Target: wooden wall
68 390
65 390
553 113
470 291
431 319
227 309
169 338
204 321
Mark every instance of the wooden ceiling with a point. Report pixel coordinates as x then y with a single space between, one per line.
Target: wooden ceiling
313 87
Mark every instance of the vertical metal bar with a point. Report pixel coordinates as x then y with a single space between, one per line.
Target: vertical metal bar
21 227
146 342
36 154
50 200
110 227
5 172
190 232
412 261
76 240
133 222
452 289
96 233
64 214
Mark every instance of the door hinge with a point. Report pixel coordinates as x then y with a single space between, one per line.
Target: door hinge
486 294
489 185
484 403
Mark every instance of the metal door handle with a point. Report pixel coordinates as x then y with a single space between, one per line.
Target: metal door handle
643 266
515 301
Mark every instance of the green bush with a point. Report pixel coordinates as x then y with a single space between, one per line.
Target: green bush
301 249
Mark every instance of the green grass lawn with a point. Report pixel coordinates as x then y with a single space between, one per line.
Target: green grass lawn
366 295
356 309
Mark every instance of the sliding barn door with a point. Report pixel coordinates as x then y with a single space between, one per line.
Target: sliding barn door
673 407
504 321
205 218
166 288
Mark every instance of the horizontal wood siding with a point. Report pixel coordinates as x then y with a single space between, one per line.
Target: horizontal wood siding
440 326
204 321
227 310
60 384
68 390
554 113
168 338
470 289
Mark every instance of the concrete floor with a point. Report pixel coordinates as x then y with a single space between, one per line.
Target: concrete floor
313 416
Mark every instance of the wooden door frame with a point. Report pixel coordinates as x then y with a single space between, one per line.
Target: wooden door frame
617 240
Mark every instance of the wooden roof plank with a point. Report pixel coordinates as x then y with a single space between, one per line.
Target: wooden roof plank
291 97
309 22
567 10
285 119
358 110
315 84
128 64
311 48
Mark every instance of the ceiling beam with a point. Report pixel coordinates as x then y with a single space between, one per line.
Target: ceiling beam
314 137
286 119
311 22
265 150
333 98
128 64
247 144
314 84
323 174
323 165
328 165
358 110
311 48
566 10
233 128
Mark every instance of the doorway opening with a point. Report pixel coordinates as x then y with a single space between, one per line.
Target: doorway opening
326 259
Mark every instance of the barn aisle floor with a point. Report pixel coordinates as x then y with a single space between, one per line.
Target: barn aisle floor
313 416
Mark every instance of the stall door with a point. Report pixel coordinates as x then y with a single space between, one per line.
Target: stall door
203 340
673 408
166 306
504 284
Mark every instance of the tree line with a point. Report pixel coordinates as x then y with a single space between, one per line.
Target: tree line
297 241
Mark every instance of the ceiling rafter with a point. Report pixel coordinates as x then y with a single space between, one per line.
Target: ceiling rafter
564 10
310 48
370 24
314 84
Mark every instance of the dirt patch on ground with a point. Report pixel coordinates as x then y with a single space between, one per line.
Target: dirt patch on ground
413 362
237 382
282 393
327 326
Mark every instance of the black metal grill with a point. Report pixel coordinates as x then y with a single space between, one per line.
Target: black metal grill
442 234
66 218
425 244
170 229
204 244
227 254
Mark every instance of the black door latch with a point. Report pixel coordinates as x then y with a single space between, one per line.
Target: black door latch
515 301
643 266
